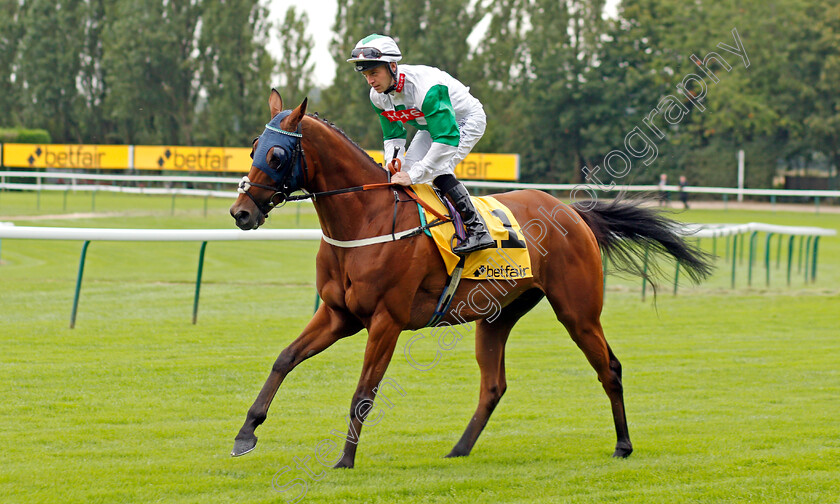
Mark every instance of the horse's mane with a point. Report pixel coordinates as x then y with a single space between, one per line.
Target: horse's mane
338 130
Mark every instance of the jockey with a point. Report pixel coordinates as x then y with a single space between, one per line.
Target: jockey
449 120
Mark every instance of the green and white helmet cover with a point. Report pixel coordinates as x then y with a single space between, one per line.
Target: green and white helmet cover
373 51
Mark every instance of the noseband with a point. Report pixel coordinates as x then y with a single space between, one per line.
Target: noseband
270 204
292 174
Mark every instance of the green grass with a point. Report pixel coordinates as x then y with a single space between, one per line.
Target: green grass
732 395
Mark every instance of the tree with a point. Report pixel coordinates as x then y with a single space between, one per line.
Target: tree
295 51
92 81
151 74
47 67
346 101
235 71
11 31
823 119
496 72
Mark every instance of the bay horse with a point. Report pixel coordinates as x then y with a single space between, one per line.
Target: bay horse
393 286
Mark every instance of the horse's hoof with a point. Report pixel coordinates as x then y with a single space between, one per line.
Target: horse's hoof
623 451
243 446
457 453
344 464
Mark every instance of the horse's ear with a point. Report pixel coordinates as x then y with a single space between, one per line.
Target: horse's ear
297 114
275 103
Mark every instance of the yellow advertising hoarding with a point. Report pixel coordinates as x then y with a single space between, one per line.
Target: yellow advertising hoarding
488 167
201 159
65 156
205 159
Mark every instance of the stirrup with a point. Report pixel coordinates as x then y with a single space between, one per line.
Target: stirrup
474 243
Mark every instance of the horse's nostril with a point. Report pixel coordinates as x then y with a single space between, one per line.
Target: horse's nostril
242 217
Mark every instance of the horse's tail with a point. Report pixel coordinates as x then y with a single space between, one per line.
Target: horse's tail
628 233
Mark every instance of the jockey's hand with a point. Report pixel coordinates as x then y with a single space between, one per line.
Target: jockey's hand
401 178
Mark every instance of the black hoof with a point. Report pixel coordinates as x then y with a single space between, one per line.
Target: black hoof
623 451
457 453
243 446
344 464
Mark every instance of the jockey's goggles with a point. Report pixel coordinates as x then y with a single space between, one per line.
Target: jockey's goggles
370 53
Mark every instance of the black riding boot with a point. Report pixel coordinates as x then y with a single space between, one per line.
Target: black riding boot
477 236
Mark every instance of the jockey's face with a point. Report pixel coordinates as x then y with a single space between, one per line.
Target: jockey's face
379 78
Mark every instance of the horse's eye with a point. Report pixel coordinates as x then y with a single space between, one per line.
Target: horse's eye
276 153
254 146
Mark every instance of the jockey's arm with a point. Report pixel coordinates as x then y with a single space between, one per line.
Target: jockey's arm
443 129
433 163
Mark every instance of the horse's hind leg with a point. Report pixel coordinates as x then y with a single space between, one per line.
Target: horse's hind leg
325 328
579 311
490 339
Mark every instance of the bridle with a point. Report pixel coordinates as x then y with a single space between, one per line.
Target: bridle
292 174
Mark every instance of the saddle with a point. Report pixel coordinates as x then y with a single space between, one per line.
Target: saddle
508 260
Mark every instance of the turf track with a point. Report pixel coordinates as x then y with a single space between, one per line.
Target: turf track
732 395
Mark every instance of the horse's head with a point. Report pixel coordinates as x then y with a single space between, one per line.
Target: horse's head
279 166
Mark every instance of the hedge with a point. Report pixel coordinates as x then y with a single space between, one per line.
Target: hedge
21 135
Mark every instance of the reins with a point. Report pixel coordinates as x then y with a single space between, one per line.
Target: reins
298 156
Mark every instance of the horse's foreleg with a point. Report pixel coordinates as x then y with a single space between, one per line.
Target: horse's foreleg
382 339
326 327
490 339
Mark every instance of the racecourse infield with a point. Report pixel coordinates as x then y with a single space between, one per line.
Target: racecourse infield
732 395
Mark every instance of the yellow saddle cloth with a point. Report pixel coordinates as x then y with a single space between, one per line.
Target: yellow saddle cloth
508 260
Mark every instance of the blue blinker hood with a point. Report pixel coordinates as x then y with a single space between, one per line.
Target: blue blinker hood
289 172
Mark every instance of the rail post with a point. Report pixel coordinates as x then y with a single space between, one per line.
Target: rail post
790 257
814 263
734 261
198 281
644 270
767 246
78 284
676 277
750 258
807 254
726 248
779 251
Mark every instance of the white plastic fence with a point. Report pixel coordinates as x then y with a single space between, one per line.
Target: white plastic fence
202 235
73 177
8 230
713 231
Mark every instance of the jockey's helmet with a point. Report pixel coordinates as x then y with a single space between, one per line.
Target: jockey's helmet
374 50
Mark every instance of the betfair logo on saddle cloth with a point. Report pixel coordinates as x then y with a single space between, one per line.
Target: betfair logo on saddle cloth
508 260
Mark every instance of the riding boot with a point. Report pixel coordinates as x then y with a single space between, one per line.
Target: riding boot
477 236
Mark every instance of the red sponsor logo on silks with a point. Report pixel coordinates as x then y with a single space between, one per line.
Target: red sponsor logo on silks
403 116
400 84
